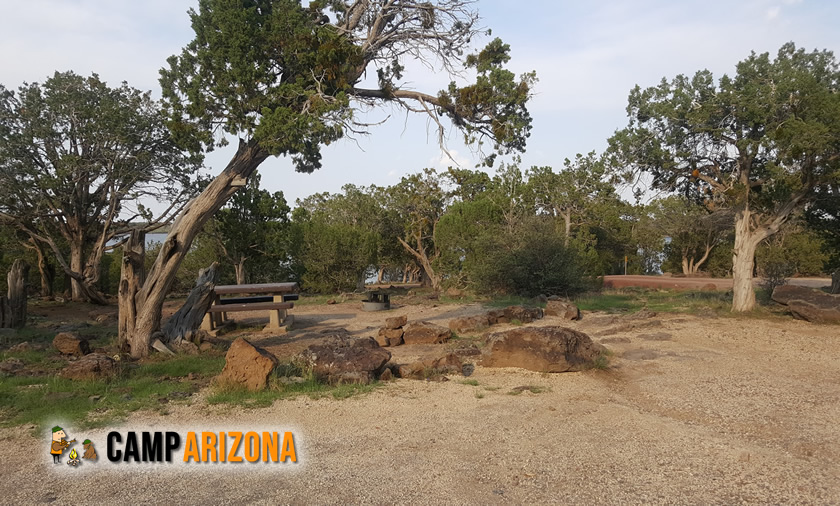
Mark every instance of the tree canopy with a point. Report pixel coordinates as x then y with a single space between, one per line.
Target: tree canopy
758 143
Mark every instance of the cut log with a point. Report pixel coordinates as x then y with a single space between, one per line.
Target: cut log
183 324
17 293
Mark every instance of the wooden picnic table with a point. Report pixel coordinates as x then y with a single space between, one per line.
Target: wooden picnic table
272 288
277 308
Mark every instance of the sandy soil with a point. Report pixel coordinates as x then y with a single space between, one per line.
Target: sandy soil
695 410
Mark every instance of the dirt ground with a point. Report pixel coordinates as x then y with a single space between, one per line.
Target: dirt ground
700 410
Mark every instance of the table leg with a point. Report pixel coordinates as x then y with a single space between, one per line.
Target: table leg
276 316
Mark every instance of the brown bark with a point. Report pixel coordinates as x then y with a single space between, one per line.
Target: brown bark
76 264
184 323
132 276
138 329
45 269
17 293
835 281
423 257
239 269
743 262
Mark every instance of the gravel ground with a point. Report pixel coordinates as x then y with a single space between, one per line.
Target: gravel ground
699 410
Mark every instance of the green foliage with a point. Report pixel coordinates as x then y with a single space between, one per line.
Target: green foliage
796 251
252 230
529 262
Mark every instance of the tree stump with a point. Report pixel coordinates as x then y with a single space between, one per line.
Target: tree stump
183 324
17 293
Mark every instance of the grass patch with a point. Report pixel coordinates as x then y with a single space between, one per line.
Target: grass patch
150 385
492 389
509 300
470 382
286 382
534 389
479 395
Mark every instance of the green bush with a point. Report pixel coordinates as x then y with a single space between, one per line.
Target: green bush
529 261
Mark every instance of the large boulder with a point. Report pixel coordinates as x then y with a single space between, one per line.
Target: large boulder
809 304
542 349
396 322
432 367
564 309
69 343
469 324
425 333
247 365
95 366
343 359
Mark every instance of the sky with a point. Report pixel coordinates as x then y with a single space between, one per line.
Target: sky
587 56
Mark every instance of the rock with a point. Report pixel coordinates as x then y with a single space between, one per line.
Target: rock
332 301
540 299
396 322
247 365
523 314
563 309
344 359
554 297
395 334
24 346
95 366
381 340
70 344
205 346
497 316
814 312
542 349
469 324
809 304
11 365
425 333
386 375
396 340
709 287
432 367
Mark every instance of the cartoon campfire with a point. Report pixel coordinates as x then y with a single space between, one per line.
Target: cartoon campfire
74 458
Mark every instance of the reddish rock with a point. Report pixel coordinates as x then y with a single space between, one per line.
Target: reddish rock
564 309
497 316
386 375
469 324
396 322
543 349
425 369
95 366
425 333
808 304
68 343
381 340
11 366
522 313
343 359
24 346
247 365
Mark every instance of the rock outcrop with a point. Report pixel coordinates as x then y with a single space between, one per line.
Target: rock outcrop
247 365
541 349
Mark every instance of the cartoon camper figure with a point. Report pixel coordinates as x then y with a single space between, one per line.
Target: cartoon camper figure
90 451
58 443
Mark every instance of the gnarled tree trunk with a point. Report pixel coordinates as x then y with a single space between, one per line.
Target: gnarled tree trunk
17 294
137 328
183 324
743 262
835 282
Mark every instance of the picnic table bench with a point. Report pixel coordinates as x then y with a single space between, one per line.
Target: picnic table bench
274 298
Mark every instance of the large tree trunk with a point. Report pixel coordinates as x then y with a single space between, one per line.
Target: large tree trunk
139 327
567 219
239 269
183 324
17 293
743 263
835 282
76 265
132 276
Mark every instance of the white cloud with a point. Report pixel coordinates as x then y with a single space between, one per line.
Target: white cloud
773 12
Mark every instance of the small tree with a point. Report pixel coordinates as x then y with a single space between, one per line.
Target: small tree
250 228
74 155
758 143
